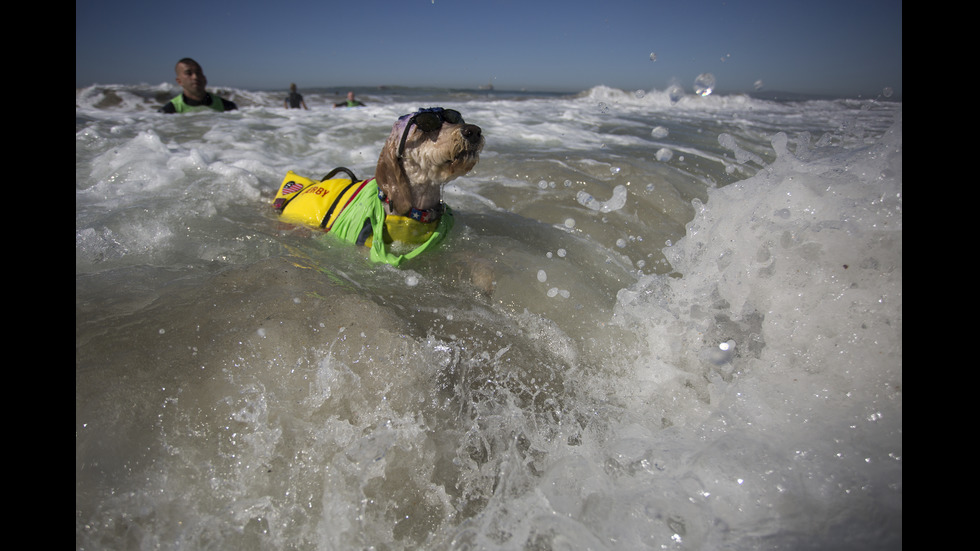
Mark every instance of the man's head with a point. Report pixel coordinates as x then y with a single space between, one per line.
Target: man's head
191 78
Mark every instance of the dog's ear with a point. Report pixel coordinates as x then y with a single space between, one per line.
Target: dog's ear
391 177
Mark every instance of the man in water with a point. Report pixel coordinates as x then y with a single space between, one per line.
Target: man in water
192 81
295 99
351 102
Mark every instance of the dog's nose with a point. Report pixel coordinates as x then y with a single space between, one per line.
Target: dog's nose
472 133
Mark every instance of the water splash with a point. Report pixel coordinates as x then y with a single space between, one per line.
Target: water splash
616 202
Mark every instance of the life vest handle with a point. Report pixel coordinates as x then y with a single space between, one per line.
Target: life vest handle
334 172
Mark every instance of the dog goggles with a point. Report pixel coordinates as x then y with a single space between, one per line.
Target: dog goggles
428 120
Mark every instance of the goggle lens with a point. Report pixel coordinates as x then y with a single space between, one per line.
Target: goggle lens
429 120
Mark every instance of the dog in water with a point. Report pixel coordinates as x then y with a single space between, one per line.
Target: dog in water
403 201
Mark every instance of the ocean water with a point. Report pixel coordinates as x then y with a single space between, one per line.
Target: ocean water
694 342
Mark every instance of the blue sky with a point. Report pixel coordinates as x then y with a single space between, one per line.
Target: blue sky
823 47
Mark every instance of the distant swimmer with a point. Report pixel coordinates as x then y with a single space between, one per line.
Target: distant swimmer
192 81
351 102
295 99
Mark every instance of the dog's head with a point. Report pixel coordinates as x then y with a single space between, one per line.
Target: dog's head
424 151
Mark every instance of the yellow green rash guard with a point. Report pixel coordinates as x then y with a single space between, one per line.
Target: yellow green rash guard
210 102
351 210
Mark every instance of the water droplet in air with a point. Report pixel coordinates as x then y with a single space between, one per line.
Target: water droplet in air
704 84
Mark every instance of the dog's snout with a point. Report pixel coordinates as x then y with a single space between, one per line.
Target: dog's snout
472 133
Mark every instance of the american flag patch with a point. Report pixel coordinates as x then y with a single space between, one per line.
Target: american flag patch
291 187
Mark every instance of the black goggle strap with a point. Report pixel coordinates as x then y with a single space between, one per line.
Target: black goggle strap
428 120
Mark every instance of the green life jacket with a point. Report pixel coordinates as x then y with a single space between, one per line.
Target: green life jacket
183 107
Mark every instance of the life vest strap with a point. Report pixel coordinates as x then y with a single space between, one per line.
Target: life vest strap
326 219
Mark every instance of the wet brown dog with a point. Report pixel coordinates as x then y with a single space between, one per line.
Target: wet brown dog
400 208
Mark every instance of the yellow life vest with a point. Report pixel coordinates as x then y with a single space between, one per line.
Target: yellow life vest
351 209
314 203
